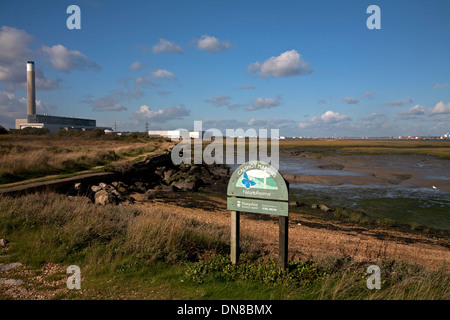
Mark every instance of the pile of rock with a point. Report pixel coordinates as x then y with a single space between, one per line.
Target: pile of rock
163 179
113 193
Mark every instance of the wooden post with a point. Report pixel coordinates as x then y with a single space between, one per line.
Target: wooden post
283 242
235 217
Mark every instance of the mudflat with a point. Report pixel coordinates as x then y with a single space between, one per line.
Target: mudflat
414 171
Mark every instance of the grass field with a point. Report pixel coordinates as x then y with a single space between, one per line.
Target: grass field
128 252
132 252
440 149
26 157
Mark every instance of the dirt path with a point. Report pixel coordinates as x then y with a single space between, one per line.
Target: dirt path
311 237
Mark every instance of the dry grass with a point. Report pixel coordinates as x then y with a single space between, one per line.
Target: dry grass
439 149
126 243
25 157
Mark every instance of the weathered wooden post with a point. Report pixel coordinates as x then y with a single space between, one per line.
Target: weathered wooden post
235 233
258 187
283 242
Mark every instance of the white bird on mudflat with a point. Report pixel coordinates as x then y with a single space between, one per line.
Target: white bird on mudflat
434 187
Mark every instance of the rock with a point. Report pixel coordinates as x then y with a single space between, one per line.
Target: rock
297 204
314 206
3 242
170 188
103 197
77 186
140 186
11 282
168 175
194 170
95 188
9 266
151 193
116 184
325 208
184 185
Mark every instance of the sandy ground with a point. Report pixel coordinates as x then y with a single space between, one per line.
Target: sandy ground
403 170
311 237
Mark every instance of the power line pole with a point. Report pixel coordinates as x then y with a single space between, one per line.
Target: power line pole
115 126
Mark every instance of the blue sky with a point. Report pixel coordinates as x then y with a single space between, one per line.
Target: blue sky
308 68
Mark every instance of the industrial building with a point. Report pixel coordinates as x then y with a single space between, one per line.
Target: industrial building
53 123
174 134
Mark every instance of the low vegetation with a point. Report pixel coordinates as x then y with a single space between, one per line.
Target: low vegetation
31 156
440 149
128 252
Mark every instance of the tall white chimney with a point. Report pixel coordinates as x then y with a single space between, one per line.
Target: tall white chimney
31 89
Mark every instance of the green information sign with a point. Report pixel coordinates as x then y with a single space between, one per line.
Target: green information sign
258 187
258 180
258 206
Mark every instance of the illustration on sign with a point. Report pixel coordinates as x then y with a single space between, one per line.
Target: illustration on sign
258 187
257 179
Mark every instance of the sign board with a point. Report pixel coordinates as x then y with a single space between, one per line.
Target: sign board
258 206
258 187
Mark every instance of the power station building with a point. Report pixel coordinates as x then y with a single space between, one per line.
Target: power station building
53 123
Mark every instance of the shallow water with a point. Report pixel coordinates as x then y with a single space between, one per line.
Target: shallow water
422 206
404 202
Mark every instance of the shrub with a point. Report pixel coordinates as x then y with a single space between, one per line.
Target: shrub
3 130
31 131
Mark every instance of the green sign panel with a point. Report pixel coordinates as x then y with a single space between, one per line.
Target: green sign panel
257 180
279 208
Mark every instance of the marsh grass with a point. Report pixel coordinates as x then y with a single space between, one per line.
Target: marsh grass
128 252
440 149
28 157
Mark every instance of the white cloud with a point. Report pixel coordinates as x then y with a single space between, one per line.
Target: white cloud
166 46
375 116
11 107
264 103
399 103
219 100
440 108
441 85
212 44
14 53
270 123
328 118
14 45
162 74
350 100
137 66
107 103
161 115
412 113
65 60
246 87
14 107
287 64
